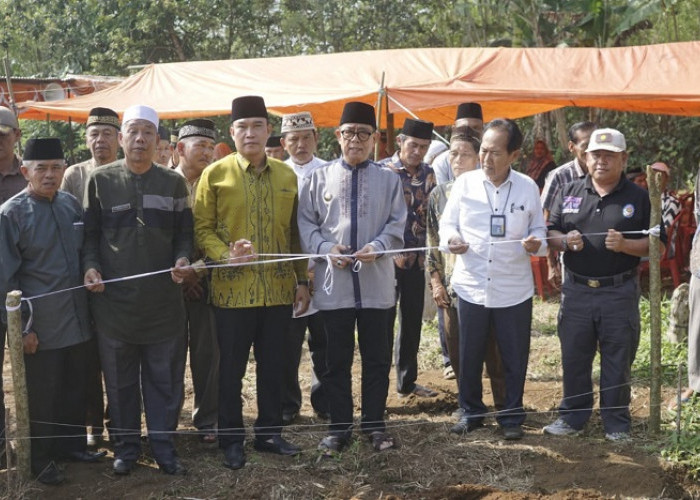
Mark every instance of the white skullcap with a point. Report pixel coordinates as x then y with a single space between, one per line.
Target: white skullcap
140 112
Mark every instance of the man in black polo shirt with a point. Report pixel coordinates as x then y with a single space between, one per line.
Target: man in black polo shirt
597 222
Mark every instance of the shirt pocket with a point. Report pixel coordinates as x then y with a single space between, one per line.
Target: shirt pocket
517 224
78 234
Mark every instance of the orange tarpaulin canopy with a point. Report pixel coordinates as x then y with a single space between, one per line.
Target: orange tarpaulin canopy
510 82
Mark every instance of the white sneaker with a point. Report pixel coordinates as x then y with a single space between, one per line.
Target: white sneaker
617 436
560 428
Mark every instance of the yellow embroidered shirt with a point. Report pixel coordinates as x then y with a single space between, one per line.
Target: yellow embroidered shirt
234 202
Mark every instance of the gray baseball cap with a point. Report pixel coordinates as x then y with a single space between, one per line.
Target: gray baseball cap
8 120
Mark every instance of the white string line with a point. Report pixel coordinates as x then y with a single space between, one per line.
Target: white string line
287 257
324 428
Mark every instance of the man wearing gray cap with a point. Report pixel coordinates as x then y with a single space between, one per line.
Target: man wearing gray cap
600 293
418 180
41 232
11 182
11 179
299 140
351 209
138 221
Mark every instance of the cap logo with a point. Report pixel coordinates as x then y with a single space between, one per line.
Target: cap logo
604 138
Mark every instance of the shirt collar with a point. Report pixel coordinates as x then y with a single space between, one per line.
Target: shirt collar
15 168
245 163
621 184
359 165
580 172
292 163
509 177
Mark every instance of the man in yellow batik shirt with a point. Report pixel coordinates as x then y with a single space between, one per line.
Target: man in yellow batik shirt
246 203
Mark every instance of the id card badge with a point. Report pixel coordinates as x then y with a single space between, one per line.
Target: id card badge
498 225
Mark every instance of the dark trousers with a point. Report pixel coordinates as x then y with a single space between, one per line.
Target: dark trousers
263 328
442 334
291 392
410 292
204 362
511 326
56 393
373 338
592 318
95 414
492 358
149 371
3 334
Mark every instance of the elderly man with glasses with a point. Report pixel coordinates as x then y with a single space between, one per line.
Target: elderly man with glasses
352 210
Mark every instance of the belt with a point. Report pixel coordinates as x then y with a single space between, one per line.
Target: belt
602 281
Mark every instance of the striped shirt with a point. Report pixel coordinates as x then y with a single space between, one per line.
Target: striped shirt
558 178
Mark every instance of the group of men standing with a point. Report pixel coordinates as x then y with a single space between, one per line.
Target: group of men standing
199 238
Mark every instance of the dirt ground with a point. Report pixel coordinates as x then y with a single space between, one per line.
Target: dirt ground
430 463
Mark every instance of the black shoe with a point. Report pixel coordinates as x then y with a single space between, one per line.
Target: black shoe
234 456
86 456
122 467
278 445
465 425
289 417
51 475
174 468
513 432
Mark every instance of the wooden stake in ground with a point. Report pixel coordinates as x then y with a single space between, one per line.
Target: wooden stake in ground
19 381
653 181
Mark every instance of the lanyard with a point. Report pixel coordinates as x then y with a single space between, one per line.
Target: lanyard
503 210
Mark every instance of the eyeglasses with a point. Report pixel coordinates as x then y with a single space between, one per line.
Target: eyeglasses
362 135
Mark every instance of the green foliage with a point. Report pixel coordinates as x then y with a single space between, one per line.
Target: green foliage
684 448
672 355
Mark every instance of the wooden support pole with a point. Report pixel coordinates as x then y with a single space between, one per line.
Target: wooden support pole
390 134
653 178
378 111
19 381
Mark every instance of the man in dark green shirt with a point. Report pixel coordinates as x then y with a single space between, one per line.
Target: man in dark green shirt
138 220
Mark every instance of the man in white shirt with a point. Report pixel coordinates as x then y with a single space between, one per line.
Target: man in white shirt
493 220
299 140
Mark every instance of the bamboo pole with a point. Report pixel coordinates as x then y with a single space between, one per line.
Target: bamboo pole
378 110
653 178
19 381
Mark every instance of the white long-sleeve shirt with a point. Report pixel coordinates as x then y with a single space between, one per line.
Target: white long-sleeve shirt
492 273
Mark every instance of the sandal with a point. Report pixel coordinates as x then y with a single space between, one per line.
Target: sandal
207 435
331 446
381 441
208 438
